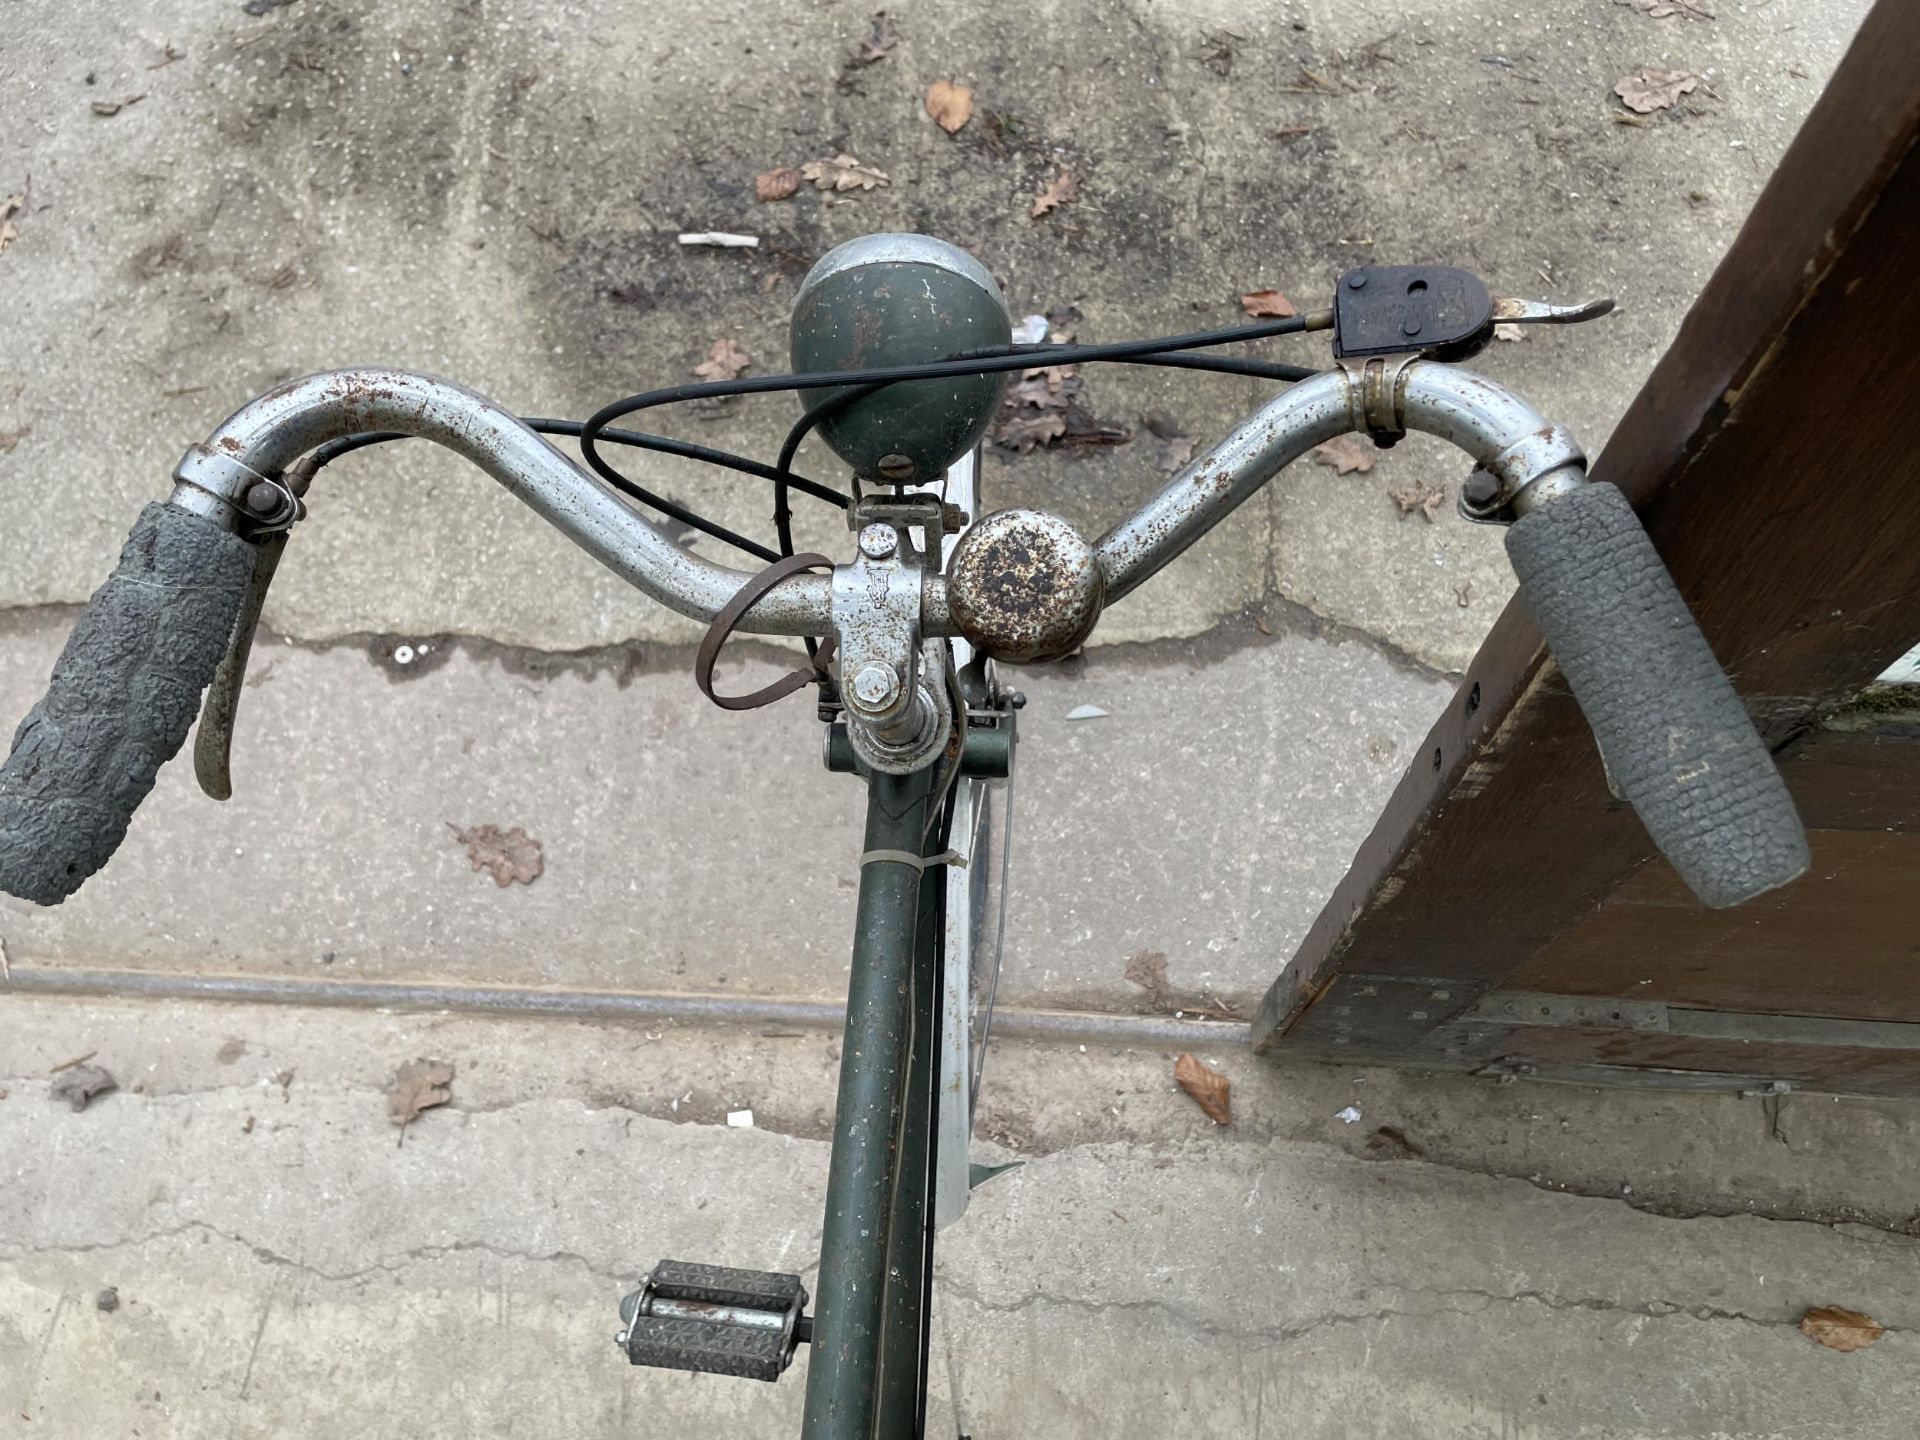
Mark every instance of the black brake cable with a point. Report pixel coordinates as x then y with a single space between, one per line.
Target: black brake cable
1002 358
826 409
1162 351
347 444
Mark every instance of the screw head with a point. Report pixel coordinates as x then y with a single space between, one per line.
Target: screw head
897 467
1481 490
878 542
874 685
263 498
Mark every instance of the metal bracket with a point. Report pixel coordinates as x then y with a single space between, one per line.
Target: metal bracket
898 713
1376 399
1524 1007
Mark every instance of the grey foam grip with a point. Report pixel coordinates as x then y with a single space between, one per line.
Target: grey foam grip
1675 737
122 697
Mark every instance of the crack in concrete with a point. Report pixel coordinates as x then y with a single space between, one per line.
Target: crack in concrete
1281 1334
15 1251
1861 1228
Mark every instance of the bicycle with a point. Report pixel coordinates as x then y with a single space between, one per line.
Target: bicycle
911 342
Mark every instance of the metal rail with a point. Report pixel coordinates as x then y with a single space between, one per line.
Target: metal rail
1063 1027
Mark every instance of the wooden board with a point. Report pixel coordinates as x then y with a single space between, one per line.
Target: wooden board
1773 459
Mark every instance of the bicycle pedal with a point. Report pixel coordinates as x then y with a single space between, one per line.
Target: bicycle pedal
715 1320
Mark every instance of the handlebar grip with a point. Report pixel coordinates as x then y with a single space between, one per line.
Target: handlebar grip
1675 737
122 697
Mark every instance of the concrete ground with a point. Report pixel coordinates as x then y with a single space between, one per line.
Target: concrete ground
492 192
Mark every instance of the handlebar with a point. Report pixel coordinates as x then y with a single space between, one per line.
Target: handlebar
1672 730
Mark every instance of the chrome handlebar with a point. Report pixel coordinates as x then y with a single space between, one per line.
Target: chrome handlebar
265 438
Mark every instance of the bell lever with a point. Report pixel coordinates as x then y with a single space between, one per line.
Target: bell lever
1432 312
1538 312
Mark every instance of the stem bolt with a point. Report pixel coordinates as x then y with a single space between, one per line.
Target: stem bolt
878 542
874 686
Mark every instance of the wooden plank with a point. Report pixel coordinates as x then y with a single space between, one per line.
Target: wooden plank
1845 943
1829 1069
1773 461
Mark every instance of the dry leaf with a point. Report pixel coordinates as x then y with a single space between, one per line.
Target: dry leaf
1063 190
1148 970
1292 132
1346 454
950 105
843 172
1047 387
1840 1329
880 40
1507 331
1419 496
1209 1088
1083 429
10 207
418 1085
1170 452
1021 433
725 361
1652 90
1266 303
80 1083
509 855
9 439
776 184
1218 52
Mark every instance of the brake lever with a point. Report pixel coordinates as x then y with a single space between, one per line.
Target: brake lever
276 509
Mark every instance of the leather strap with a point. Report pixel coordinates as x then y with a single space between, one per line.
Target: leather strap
729 616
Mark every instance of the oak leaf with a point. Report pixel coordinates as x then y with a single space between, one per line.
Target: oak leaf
418 1085
725 361
1652 89
1062 190
843 172
508 855
1345 454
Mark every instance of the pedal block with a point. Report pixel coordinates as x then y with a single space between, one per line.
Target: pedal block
715 1320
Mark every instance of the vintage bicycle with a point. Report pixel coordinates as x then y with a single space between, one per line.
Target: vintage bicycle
906 343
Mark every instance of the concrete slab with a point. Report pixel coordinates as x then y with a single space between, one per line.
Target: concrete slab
689 849
282 1266
495 195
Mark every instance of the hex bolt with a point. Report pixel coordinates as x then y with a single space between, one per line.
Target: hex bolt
897 468
1481 490
878 542
263 498
874 686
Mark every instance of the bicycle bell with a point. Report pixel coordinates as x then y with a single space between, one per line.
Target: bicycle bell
901 300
